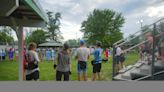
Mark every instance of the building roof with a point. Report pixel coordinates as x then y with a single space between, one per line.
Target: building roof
51 44
26 13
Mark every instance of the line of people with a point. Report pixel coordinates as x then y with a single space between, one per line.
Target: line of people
63 63
7 53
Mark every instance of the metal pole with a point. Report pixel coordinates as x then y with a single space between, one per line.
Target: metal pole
113 62
21 52
153 53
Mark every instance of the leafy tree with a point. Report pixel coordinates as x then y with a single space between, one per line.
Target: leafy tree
103 25
6 35
37 36
54 26
73 42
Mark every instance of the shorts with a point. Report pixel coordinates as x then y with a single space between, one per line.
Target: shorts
148 51
97 68
122 59
3 57
82 68
118 59
33 76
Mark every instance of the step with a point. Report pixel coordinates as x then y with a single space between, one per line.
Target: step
126 75
159 66
145 69
135 74
119 78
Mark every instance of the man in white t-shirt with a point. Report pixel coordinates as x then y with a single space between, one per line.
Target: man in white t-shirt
118 55
82 56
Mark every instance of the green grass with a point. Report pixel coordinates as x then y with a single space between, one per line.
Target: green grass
48 73
9 69
131 58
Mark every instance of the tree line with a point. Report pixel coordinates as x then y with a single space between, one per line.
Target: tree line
101 25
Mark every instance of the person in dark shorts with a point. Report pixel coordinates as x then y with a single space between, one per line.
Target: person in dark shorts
148 46
3 55
97 62
122 58
63 64
32 71
118 57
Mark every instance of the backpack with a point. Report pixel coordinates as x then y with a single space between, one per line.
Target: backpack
29 64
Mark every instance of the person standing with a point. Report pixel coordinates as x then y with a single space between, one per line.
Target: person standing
141 51
11 54
82 55
97 62
48 55
118 56
32 62
42 52
122 58
106 53
3 55
53 54
148 47
63 64
161 47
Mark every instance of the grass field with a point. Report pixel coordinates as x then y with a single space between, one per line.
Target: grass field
48 73
9 69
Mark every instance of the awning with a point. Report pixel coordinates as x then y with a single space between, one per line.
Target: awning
51 44
27 13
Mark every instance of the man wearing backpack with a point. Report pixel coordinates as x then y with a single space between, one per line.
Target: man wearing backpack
82 56
31 63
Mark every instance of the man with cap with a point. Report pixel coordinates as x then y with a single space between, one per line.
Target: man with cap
82 56
97 61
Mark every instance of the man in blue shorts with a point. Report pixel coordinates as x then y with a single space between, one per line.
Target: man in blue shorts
97 62
82 56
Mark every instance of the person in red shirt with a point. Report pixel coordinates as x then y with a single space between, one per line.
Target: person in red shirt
106 53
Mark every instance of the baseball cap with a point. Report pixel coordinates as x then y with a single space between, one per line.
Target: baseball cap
82 42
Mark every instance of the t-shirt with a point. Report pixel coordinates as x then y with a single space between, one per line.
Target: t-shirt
106 53
48 54
3 53
63 62
118 51
97 55
83 53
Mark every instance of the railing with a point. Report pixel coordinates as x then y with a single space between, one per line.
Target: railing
138 40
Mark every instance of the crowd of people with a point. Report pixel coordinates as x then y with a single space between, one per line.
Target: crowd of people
8 54
63 61
145 49
47 54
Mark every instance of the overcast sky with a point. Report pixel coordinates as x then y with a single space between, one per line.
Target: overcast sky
75 11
